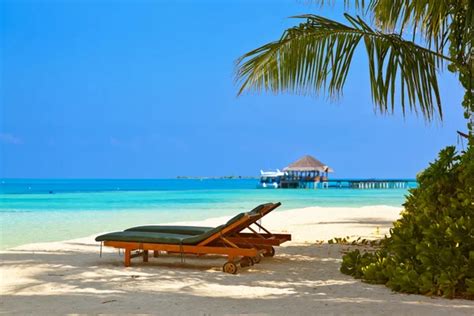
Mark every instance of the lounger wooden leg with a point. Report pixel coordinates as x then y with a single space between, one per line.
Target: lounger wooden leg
127 257
145 255
156 253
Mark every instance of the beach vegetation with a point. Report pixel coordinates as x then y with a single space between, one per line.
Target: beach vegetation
359 241
430 249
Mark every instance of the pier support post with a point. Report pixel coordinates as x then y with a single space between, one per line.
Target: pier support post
127 258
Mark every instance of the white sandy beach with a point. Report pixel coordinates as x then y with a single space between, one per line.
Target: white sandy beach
303 278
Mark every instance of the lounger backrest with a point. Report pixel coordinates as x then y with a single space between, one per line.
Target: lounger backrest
264 209
193 240
228 227
236 223
256 214
259 208
217 230
252 215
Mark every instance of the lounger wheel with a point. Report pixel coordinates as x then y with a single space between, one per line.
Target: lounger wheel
269 252
257 258
246 262
229 267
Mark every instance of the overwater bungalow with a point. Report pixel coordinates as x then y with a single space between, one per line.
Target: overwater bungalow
307 172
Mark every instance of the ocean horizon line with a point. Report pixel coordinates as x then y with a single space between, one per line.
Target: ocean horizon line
206 177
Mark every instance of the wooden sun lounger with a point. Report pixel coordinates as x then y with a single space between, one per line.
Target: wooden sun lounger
262 240
218 241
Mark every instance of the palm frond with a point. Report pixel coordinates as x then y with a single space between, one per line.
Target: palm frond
428 18
316 56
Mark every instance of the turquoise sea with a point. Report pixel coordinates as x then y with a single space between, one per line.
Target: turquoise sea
54 210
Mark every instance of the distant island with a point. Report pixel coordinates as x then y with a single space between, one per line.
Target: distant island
217 177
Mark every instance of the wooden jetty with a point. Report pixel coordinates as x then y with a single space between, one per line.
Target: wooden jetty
371 183
303 183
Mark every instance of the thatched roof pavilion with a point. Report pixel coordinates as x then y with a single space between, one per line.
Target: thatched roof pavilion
306 172
308 163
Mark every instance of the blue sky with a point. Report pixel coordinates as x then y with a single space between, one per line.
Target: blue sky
145 89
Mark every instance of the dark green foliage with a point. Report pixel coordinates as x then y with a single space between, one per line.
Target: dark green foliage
367 265
431 248
359 241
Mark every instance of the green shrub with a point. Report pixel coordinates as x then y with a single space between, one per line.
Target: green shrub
431 247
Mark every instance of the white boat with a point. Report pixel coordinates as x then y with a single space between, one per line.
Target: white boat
270 179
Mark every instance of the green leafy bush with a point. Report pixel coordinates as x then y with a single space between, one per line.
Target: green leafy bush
431 247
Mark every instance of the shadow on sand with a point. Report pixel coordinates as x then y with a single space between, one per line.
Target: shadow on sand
301 279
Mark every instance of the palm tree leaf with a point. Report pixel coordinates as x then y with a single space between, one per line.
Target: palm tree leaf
429 18
316 56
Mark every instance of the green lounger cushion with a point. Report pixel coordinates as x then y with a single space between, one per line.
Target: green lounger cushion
147 237
183 230
257 209
235 218
191 230
158 238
